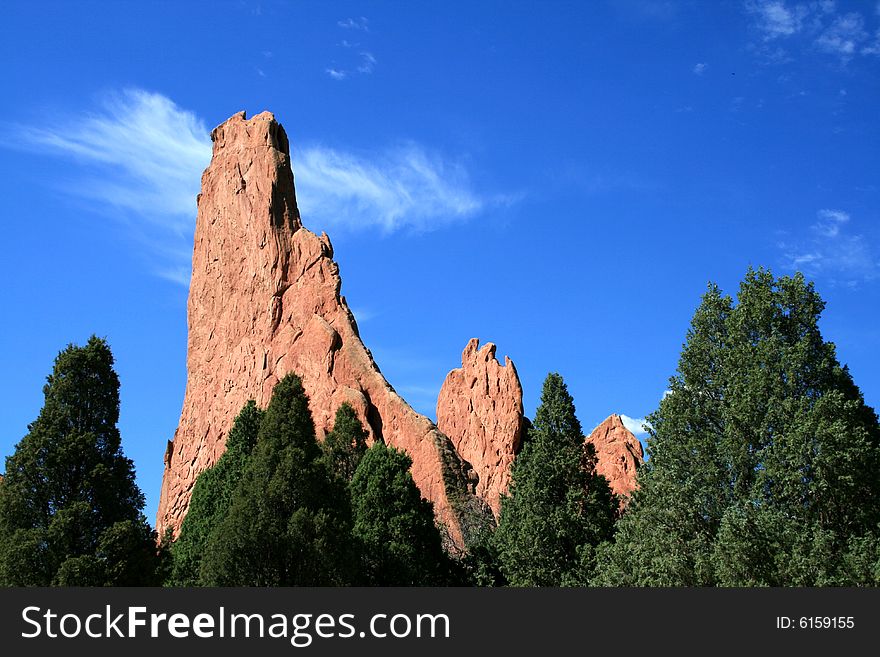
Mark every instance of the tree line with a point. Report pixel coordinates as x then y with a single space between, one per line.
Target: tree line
763 469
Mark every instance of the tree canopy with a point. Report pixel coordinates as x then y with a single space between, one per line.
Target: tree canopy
345 445
394 526
558 508
70 511
211 498
289 520
764 458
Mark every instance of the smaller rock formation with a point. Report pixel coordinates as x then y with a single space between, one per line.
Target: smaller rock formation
480 409
618 455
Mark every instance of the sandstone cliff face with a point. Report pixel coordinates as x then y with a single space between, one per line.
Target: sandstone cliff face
619 453
480 408
265 301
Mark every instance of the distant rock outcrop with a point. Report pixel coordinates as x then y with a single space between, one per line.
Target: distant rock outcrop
619 454
264 301
480 408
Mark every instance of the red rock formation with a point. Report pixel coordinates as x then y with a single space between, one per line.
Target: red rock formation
480 408
264 301
618 453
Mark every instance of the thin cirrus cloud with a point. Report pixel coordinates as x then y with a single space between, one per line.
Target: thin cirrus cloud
817 24
830 250
404 187
359 24
361 63
139 158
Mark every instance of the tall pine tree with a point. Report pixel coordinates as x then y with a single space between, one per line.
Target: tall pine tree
212 497
289 520
70 511
764 461
345 445
394 526
558 509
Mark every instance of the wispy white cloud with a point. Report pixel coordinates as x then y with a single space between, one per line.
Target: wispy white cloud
403 187
140 159
361 23
813 24
639 426
700 68
829 222
775 19
873 48
843 36
832 252
367 63
361 63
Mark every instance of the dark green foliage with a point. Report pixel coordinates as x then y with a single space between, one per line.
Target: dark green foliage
70 511
289 520
212 497
480 564
559 508
345 445
399 542
764 461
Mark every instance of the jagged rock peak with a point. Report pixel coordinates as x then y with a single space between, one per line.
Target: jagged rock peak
265 301
619 454
480 408
256 152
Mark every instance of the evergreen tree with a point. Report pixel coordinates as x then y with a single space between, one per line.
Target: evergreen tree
70 511
399 543
346 444
764 460
558 509
212 496
289 520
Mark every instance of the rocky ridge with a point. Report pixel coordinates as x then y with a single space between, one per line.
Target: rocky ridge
264 301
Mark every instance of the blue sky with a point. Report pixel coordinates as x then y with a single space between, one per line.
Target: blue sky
562 179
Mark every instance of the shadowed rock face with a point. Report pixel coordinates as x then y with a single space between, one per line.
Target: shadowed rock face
480 408
619 453
265 301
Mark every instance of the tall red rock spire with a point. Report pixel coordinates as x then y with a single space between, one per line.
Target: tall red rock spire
265 301
480 408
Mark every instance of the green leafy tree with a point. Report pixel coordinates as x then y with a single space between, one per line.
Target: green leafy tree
558 509
400 545
289 520
212 497
764 460
70 511
345 445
